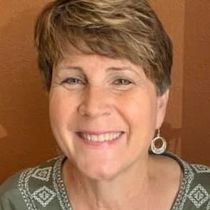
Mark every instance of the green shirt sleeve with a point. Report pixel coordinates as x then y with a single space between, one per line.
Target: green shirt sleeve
10 197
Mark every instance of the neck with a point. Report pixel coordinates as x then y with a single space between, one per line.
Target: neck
117 193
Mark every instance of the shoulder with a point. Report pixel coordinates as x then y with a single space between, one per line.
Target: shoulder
195 187
9 192
200 177
16 191
193 173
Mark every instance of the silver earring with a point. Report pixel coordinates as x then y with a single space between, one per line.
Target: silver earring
158 140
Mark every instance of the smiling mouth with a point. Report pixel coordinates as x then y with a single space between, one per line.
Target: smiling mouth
104 137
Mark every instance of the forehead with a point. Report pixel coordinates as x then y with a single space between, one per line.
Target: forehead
86 59
93 62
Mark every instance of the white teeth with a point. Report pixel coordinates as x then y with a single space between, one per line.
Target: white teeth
101 137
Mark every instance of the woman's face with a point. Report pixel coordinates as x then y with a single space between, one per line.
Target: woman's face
103 113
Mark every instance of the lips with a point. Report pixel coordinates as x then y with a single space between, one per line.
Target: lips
101 137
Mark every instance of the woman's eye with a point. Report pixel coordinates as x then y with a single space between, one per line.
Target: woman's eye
122 82
72 81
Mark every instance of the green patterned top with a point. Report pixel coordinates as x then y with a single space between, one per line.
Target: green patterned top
42 188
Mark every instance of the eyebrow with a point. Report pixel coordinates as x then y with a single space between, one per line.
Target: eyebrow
77 68
123 68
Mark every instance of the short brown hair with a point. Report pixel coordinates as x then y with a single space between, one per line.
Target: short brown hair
115 28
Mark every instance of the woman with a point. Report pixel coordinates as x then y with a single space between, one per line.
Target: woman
106 65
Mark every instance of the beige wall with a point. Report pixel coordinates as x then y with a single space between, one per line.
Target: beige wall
25 137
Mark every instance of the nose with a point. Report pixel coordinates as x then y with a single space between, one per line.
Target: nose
94 103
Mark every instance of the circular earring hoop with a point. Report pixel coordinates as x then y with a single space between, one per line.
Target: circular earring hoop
158 150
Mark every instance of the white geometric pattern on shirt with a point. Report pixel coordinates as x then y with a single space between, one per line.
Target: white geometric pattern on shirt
208 206
42 174
201 168
59 187
44 195
24 188
198 196
188 178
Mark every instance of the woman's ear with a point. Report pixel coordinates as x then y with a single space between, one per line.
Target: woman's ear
162 102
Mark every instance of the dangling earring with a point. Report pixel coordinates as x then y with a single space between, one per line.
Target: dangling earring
158 150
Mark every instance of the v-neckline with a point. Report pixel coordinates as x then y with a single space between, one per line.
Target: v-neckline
178 203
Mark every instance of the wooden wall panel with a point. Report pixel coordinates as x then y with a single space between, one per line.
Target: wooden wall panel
196 91
172 15
25 137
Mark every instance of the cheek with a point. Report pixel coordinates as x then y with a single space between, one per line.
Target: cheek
62 121
55 110
59 109
140 114
139 110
